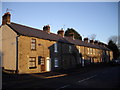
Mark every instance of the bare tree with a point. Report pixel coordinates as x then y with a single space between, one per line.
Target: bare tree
114 39
92 36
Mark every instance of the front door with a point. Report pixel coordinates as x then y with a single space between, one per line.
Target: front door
48 64
41 62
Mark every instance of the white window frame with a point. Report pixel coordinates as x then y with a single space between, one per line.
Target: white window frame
33 44
91 51
88 49
56 63
94 51
107 52
32 62
55 47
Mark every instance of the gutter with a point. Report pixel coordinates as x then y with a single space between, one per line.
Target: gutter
17 54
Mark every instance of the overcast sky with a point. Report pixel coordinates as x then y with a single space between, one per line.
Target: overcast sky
100 18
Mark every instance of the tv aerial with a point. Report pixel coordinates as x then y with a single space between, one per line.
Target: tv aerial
7 10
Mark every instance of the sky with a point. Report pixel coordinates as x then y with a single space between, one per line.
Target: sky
99 18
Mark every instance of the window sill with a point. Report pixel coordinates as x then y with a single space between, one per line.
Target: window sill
32 67
33 49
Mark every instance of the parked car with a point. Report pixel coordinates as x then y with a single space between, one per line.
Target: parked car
116 61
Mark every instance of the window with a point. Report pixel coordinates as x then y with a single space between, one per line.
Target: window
79 49
56 62
41 60
90 51
107 52
83 57
93 51
96 51
99 52
32 62
33 44
55 47
70 49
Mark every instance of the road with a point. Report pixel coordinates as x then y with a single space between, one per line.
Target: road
107 77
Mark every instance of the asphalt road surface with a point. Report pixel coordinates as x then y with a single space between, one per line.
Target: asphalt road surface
107 77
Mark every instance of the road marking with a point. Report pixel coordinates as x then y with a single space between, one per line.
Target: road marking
46 77
63 87
78 81
86 79
56 76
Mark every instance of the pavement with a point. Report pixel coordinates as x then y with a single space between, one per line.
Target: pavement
68 72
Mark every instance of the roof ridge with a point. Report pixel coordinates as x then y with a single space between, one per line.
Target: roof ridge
33 28
34 32
26 26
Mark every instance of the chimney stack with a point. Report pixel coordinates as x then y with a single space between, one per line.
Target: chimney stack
86 40
46 28
6 18
61 32
91 41
103 44
100 44
96 42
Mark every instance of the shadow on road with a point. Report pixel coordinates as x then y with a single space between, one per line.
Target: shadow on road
9 80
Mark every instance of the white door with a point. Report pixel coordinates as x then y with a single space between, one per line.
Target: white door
82 62
48 64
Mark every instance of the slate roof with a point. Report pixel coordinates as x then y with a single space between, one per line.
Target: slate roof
32 32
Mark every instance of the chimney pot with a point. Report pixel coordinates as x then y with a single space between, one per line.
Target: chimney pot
86 40
96 42
91 41
61 32
46 28
100 44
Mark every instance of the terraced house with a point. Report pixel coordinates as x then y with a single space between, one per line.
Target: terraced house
29 50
